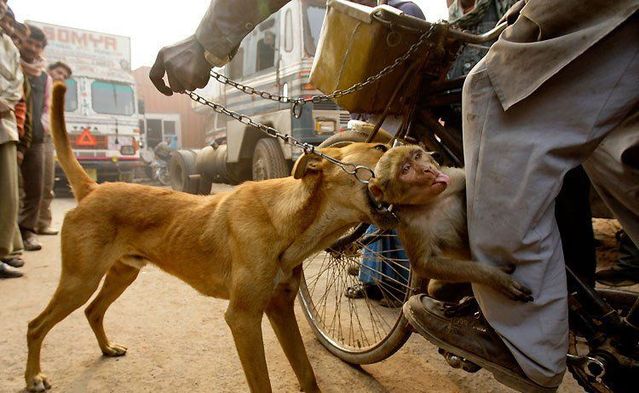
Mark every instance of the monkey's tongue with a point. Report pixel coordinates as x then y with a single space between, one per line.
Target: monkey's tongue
442 178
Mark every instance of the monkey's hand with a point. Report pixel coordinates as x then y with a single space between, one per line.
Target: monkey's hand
513 289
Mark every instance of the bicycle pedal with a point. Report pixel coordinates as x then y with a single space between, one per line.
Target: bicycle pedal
456 361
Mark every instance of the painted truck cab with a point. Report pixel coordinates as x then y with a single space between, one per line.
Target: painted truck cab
101 102
276 57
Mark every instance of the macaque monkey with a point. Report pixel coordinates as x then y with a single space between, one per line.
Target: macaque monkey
431 204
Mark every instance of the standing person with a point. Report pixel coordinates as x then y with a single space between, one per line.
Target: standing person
558 89
59 72
11 79
33 165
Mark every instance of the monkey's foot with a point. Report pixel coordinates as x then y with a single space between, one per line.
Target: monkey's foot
114 350
39 383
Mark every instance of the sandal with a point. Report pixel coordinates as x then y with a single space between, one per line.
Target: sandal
361 291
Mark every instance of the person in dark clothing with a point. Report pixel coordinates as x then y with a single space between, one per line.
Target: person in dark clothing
626 271
34 67
58 71
266 51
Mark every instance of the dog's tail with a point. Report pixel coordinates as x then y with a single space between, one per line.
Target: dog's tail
81 183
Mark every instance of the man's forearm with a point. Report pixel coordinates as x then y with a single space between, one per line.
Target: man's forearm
227 22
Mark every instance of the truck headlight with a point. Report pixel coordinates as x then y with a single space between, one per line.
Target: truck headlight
127 150
325 126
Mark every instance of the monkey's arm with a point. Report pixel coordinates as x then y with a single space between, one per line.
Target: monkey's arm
444 268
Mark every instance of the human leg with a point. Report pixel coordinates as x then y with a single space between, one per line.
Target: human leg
43 225
32 174
515 162
8 205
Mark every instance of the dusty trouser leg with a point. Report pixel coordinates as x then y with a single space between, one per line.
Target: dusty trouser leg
33 184
44 213
515 162
8 197
614 171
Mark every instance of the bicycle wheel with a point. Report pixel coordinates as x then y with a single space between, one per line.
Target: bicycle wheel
358 330
367 329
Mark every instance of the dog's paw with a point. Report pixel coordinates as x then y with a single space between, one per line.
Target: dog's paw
114 350
39 383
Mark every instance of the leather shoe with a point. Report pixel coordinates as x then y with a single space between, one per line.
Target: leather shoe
463 331
14 261
7 271
31 243
48 231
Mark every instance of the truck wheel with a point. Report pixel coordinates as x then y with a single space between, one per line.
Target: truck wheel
181 166
268 160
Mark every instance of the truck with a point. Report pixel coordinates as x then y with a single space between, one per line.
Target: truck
101 102
276 57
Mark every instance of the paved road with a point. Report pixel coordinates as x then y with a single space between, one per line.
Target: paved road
178 342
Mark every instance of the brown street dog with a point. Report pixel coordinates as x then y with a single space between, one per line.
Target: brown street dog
431 204
246 245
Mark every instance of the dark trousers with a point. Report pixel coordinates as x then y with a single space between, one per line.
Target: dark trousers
33 185
574 219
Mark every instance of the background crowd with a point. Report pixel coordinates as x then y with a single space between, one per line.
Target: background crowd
27 165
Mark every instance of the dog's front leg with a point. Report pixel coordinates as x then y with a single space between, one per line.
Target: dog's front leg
250 294
281 314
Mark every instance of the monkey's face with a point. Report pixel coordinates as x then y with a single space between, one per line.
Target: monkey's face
407 175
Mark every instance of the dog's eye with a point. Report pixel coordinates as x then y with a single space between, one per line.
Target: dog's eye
383 148
405 169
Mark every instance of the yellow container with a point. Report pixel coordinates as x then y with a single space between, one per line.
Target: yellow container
353 45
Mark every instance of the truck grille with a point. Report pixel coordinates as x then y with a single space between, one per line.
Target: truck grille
344 118
325 106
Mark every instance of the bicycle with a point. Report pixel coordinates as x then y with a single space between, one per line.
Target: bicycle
604 324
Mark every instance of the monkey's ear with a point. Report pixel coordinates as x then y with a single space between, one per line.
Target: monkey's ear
375 189
307 163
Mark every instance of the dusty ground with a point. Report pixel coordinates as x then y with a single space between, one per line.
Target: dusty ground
178 342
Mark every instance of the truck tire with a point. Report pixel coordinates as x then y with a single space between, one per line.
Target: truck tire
181 166
268 160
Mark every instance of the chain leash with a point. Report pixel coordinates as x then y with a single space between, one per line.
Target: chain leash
298 102
362 173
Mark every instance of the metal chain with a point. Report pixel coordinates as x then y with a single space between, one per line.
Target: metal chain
337 93
362 173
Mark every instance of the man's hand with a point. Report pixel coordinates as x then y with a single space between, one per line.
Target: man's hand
20 157
185 66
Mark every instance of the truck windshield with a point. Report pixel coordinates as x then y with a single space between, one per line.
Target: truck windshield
71 97
313 18
112 98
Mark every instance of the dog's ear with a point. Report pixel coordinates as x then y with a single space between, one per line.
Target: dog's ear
307 163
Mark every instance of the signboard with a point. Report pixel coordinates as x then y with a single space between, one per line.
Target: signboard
89 53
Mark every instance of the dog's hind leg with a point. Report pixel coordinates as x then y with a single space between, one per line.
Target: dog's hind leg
118 278
72 292
280 312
